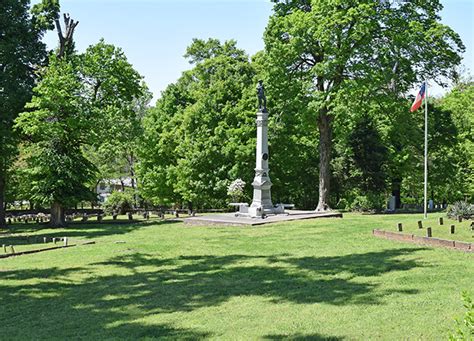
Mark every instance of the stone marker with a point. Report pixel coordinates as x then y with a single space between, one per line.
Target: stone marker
441 220
400 227
428 232
45 240
460 219
65 241
452 229
420 224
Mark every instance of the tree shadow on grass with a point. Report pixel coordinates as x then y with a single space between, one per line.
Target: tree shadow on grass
110 304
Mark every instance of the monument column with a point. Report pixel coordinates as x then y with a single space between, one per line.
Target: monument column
262 200
261 183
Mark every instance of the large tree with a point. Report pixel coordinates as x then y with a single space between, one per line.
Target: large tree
198 137
81 100
21 53
334 48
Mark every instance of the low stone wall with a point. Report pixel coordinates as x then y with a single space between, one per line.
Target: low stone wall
430 241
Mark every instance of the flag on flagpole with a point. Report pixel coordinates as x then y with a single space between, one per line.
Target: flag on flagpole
419 99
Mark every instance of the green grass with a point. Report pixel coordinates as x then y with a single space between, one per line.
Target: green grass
313 279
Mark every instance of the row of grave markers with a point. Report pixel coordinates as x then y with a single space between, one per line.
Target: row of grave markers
428 229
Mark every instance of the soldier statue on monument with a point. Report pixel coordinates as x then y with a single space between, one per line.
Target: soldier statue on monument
262 99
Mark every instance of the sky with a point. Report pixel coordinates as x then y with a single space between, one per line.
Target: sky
154 34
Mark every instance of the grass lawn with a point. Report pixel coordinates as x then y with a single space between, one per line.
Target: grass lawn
313 279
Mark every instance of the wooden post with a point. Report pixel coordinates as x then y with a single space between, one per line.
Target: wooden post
428 232
400 227
452 229
420 224
441 220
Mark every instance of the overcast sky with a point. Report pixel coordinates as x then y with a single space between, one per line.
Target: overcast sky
155 33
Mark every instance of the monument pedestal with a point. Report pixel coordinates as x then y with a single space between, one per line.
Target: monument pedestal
262 198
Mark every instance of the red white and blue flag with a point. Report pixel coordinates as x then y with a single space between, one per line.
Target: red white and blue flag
419 99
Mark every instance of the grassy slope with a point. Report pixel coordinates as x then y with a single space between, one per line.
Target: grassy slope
312 279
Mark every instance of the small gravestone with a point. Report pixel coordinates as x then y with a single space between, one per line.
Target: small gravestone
420 224
65 241
452 229
460 219
441 220
45 240
392 202
400 227
428 232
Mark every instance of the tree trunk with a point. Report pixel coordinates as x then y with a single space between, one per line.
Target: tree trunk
57 215
325 143
396 185
2 202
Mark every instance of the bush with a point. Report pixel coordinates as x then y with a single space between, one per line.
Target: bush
460 209
369 202
465 328
120 202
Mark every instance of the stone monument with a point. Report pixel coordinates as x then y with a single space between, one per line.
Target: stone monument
262 198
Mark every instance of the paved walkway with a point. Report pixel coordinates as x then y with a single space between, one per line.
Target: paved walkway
229 219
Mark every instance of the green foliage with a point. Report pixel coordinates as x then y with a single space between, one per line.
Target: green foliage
340 55
56 127
368 203
120 202
369 155
21 54
460 209
465 328
460 103
45 13
82 102
200 134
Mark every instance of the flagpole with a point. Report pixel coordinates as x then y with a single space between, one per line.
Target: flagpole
425 191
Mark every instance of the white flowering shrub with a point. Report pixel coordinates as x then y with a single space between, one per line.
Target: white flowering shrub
236 189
